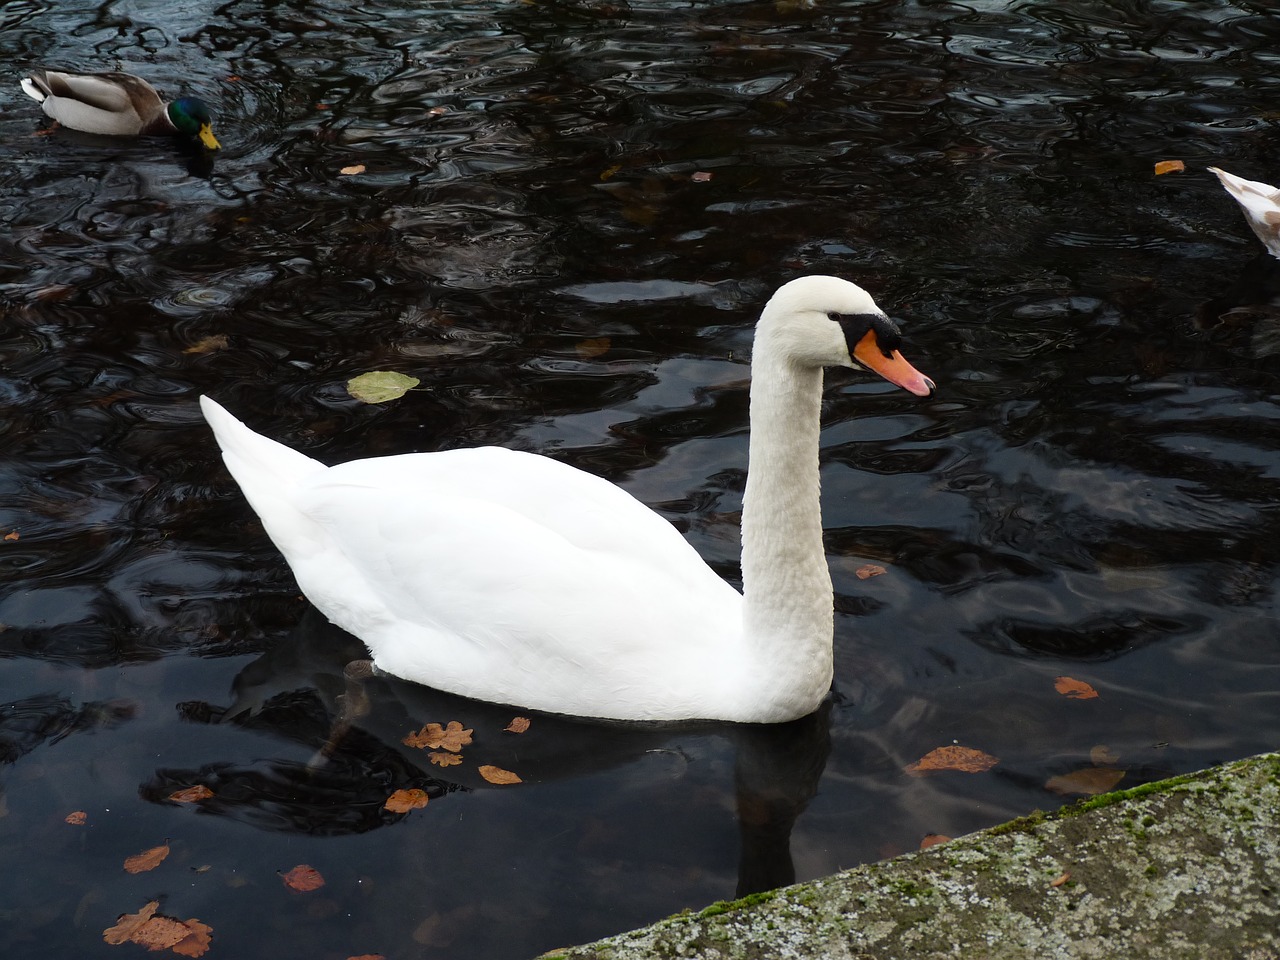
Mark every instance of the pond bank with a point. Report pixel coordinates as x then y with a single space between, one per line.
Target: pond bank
1186 867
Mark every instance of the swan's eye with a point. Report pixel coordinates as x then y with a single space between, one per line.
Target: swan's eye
858 325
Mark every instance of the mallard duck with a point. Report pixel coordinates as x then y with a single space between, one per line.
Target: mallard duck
1261 205
513 578
117 104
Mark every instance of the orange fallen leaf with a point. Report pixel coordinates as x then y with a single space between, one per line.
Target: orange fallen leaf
76 818
1090 781
127 924
1060 879
1169 166
190 938
498 775
352 170
868 570
12 535
196 942
404 800
517 725
1076 689
453 737
441 759
147 859
191 794
303 878
932 840
964 759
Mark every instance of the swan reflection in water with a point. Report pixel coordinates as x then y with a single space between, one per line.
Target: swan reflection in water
354 727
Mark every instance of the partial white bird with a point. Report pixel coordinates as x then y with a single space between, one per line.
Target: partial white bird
1261 205
513 578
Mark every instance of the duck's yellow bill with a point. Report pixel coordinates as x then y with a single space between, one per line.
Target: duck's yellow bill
207 138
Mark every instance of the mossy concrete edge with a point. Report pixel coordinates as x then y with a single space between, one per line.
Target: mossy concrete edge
1184 868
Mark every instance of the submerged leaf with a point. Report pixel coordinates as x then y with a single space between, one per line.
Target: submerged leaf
1090 781
191 794
379 386
303 878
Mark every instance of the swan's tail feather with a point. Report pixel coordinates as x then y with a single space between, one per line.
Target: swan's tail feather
269 475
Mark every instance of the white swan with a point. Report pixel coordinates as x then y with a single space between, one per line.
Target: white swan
513 578
1261 205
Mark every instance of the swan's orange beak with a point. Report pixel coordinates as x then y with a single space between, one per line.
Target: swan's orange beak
893 368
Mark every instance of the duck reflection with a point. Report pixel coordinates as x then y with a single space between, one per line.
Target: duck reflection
354 726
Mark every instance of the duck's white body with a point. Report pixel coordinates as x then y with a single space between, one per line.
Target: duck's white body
1261 205
513 578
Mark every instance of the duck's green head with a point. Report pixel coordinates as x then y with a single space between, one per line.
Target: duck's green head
190 115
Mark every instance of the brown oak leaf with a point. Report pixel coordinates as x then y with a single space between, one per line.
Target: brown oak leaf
498 775
964 759
147 859
404 800
452 737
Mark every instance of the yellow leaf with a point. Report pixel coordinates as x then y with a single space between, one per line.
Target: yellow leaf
498 775
379 386
963 759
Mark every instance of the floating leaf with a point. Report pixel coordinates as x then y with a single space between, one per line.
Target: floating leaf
868 570
368 956
517 725
402 801
1169 166
191 794
76 818
303 878
147 859
593 347
435 737
379 386
932 840
352 170
189 938
964 759
702 176
12 535
1090 781
498 775
1076 689
441 759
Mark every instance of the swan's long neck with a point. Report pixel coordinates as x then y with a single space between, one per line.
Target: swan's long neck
786 582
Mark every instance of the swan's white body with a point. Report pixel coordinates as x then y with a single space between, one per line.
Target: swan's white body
513 578
1261 205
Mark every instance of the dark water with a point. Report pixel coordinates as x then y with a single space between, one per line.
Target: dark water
1090 493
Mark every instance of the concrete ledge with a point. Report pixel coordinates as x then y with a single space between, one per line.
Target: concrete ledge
1183 868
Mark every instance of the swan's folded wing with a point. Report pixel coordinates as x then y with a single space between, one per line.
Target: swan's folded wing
489 581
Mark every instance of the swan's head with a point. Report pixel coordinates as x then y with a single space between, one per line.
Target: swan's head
830 322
